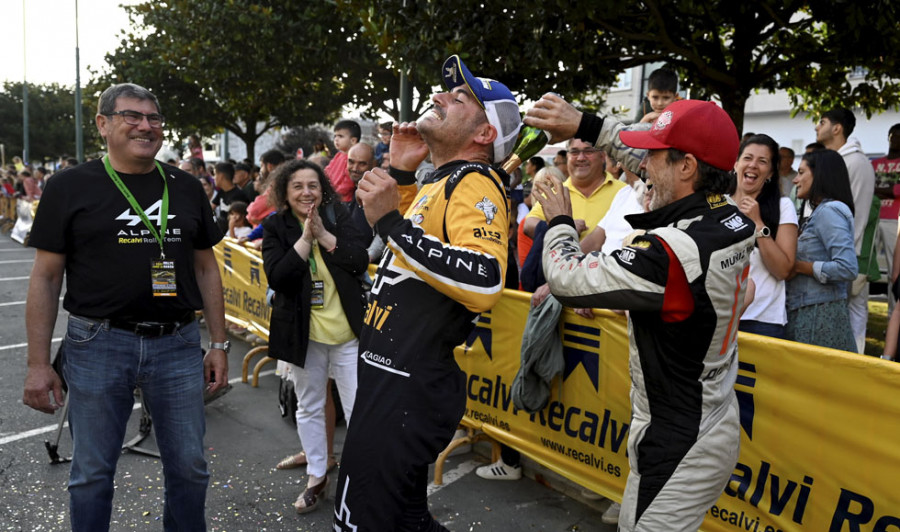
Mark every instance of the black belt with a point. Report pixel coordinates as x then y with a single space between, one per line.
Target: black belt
152 329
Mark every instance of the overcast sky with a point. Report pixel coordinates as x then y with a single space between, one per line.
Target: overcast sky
49 43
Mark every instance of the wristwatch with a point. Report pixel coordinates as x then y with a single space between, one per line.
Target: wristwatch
764 233
224 346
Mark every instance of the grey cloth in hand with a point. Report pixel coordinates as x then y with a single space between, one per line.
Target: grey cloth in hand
542 357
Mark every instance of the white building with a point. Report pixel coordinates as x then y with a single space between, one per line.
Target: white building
768 113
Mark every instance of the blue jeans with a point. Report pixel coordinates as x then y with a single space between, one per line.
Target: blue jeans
102 367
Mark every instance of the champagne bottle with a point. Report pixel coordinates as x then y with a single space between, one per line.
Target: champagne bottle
531 140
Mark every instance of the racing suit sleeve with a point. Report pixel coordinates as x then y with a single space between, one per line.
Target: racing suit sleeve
609 142
603 133
632 278
471 266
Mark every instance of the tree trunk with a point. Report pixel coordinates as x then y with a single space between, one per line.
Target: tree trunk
249 137
733 102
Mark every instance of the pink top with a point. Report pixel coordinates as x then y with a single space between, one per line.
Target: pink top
32 191
259 208
339 176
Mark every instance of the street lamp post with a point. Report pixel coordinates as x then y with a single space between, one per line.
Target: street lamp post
25 147
79 133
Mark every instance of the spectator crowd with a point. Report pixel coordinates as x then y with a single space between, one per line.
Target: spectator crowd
817 233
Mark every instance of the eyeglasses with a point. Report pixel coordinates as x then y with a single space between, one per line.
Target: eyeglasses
587 152
134 118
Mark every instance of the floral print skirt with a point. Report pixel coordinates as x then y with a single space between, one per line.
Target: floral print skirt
824 324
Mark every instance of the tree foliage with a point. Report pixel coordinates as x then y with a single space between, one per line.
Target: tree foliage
239 63
720 48
244 65
529 46
729 49
51 121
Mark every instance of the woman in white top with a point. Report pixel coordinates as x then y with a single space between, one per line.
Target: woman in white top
758 196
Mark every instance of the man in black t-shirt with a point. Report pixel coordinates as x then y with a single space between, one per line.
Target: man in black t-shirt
243 179
134 239
228 194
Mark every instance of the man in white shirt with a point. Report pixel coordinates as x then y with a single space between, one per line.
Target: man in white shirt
833 130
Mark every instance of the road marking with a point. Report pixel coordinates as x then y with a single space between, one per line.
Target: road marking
11 250
13 303
17 436
15 261
16 346
16 278
453 475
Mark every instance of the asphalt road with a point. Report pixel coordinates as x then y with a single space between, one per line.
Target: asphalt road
246 436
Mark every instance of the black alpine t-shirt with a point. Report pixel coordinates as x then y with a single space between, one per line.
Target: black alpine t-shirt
109 250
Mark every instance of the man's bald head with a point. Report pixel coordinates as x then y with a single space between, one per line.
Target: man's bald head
360 159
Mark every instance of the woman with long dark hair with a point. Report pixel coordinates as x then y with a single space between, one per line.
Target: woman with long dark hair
758 195
826 257
312 256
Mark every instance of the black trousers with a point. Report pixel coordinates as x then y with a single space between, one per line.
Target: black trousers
383 478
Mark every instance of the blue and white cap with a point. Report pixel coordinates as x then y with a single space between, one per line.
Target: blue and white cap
495 98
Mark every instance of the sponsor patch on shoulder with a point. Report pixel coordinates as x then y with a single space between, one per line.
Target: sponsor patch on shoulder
734 222
626 255
640 244
488 208
486 234
716 200
421 203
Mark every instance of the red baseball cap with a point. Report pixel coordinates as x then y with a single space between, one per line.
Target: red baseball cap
700 128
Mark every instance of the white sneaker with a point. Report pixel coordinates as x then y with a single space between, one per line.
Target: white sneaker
611 515
499 471
462 449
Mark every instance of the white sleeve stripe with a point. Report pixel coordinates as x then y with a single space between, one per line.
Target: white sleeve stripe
468 287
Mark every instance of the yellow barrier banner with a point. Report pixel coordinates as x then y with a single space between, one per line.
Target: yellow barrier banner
820 429
820 444
244 285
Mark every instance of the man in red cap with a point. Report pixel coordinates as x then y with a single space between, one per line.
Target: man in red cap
683 279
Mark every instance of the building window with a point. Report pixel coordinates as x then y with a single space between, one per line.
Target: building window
858 72
623 81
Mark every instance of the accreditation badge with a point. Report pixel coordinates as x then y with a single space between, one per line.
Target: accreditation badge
317 299
162 278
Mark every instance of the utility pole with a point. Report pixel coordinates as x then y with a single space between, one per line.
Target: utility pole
405 92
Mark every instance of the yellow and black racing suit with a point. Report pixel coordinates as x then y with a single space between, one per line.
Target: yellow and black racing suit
444 264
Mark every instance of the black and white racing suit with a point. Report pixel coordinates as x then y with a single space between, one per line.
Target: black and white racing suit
683 282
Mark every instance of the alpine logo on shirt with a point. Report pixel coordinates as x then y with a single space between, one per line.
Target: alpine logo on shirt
136 233
152 214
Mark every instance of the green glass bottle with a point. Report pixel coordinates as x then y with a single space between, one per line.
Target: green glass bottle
531 140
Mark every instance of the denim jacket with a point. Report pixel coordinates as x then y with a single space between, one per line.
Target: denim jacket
826 240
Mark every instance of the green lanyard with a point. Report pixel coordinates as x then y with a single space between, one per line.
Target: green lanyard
163 213
311 259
